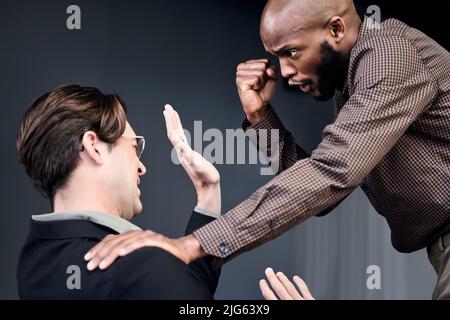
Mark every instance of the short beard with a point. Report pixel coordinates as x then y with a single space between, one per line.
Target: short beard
331 72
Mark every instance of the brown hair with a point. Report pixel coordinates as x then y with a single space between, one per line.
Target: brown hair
49 139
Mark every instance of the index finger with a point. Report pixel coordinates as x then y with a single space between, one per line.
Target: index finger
168 110
265 60
177 120
168 122
277 285
92 251
106 241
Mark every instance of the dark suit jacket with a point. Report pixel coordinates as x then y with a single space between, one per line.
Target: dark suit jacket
52 247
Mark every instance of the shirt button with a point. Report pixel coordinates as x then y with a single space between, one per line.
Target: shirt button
224 248
273 224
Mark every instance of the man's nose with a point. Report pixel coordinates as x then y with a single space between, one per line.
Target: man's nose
141 170
287 70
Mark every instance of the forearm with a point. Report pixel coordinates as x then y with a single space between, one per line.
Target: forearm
289 151
209 198
282 147
191 247
190 244
287 200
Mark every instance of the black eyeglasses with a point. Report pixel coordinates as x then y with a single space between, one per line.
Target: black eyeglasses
140 144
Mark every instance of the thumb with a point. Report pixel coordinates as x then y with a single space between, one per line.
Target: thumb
272 72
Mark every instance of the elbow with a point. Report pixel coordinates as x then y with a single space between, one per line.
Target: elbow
341 174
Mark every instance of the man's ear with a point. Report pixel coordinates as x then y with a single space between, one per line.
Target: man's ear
92 147
336 28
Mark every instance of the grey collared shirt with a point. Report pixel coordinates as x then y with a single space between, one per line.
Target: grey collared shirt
111 221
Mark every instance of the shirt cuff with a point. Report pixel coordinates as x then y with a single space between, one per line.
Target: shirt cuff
206 212
270 121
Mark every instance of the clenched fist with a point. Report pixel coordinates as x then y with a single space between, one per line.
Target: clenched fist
256 82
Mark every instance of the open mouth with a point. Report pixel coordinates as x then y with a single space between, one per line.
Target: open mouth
305 86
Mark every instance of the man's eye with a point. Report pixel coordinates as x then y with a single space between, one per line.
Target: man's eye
291 53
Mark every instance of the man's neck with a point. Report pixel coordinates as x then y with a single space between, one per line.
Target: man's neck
87 200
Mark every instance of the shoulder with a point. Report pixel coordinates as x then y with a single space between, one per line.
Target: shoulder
389 59
152 273
147 257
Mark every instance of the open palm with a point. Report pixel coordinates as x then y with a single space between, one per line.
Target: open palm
199 170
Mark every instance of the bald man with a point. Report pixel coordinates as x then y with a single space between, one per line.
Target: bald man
391 88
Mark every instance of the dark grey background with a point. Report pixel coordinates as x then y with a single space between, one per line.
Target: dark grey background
185 53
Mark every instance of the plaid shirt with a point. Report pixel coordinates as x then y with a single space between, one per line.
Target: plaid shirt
390 136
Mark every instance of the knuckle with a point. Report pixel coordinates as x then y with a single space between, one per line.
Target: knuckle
103 253
241 73
160 237
140 239
261 66
148 233
126 246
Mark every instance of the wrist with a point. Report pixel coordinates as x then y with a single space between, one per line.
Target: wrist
191 247
209 198
259 115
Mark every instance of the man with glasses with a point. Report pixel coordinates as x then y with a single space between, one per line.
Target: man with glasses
82 154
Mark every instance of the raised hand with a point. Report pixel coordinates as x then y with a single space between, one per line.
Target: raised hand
203 174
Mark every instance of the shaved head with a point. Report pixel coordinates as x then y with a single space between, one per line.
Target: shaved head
287 17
